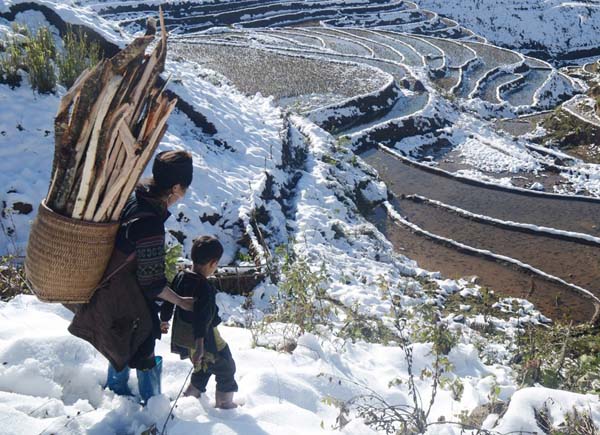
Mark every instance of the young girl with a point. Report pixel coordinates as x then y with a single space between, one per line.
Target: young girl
123 322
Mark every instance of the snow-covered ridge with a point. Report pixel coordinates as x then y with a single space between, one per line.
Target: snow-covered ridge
569 235
561 30
58 13
486 253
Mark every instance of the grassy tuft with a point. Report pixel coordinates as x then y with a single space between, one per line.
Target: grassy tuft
79 54
40 53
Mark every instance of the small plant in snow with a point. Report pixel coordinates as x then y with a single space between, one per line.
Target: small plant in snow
560 356
435 331
12 279
302 296
79 53
172 255
577 423
11 61
244 257
40 53
36 53
413 417
359 326
301 305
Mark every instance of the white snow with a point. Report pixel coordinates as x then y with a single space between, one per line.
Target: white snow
555 25
54 382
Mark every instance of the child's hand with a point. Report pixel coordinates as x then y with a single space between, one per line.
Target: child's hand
164 327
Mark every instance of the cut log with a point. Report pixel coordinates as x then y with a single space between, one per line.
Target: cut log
100 184
64 153
123 60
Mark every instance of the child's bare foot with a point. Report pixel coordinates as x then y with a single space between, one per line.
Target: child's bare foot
224 400
192 391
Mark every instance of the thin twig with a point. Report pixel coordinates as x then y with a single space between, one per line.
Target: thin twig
175 402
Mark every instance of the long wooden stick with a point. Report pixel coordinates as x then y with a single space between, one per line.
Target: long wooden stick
90 161
100 184
66 138
80 149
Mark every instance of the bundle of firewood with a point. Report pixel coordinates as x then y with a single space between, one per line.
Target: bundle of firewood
107 128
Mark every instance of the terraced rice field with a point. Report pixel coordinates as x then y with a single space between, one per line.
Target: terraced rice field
489 59
504 278
411 56
457 54
404 106
450 79
434 56
254 70
524 94
341 44
300 37
521 126
479 225
400 18
570 260
591 67
489 90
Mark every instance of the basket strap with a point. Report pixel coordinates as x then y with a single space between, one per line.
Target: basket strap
130 257
127 260
134 219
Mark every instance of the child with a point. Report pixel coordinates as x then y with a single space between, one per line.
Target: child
195 334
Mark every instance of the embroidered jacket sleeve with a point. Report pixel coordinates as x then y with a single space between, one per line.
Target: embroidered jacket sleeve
149 236
167 308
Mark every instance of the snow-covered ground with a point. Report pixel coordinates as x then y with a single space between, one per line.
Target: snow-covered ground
553 26
51 382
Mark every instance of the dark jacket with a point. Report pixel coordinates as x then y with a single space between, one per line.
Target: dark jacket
143 232
122 315
188 326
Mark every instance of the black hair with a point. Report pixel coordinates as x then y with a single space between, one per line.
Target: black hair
206 249
169 168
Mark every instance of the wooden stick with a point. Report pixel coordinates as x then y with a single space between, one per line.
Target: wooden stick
68 98
90 161
154 111
102 211
64 154
122 60
80 152
110 159
131 145
142 86
146 155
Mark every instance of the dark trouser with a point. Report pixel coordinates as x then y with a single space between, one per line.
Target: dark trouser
224 370
143 358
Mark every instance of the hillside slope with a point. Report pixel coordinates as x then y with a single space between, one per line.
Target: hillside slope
557 29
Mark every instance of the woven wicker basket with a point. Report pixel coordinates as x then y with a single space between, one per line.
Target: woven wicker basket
66 258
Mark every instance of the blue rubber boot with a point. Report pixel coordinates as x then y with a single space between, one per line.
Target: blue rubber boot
117 381
149 380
